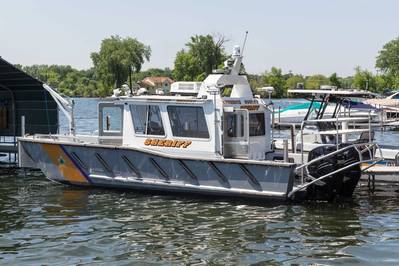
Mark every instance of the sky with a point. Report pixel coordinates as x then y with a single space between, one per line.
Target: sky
307 36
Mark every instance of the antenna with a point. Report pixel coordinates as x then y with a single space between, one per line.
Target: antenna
245 41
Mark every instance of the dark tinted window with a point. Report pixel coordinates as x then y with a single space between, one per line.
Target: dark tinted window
257 124
188 121
235 125
147 120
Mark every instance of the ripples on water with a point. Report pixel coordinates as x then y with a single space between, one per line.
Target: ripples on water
46 223
43 222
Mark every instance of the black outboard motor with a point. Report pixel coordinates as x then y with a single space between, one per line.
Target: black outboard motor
341 184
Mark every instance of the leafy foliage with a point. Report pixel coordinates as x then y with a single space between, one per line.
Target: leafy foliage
364 80
275 79
203 54
315 81
68 80
388 58
292 81
117 57
388 62
335 80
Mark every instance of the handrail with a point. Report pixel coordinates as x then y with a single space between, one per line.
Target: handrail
373 161
336 131
335 152
73 138
340 131
340 119
355 146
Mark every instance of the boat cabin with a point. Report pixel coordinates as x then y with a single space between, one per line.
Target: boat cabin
207 124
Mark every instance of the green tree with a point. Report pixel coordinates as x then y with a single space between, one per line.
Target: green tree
364 80
203 54
67 80
117 58
275 79
335 80
388 58
347 82
256 81
314 82
292 81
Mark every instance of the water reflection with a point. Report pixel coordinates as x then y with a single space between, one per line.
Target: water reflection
77 225
70 205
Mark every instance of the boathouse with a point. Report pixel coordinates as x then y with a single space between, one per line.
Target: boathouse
25 107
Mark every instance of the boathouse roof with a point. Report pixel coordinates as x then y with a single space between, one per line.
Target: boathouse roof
24 95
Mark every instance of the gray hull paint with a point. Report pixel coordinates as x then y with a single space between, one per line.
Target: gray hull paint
133 169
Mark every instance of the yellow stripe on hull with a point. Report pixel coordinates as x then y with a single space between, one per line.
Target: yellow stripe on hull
66 167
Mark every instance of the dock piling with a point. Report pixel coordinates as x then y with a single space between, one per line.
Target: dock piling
23 125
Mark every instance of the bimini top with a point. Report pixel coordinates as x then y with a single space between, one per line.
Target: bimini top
390 101
336 93
301 106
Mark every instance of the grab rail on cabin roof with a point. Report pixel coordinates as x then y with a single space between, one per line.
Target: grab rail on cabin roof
77 138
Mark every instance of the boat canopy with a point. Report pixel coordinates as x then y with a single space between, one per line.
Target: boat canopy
24 95
337 93
300 106
358 105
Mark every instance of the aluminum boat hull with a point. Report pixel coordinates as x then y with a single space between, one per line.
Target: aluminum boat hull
129 168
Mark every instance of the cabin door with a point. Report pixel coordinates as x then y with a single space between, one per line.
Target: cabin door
236 134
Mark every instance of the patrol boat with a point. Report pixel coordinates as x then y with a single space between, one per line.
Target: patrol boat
204 144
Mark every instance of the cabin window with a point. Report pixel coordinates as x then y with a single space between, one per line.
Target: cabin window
256 124
235 125
188 121
112 117
147 120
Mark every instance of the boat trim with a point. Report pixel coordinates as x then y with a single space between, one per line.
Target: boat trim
103 163
131 166
75 163
250 176
188 170
77 158
200 189
219 173
160 170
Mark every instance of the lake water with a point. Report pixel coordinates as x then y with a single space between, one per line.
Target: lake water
42 222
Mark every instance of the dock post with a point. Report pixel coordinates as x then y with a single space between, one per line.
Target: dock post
368 181
369 127
285 144
373 182
273 117
23 125
293 144
344 135
279 115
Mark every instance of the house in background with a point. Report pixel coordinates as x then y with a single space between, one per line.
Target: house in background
154 83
